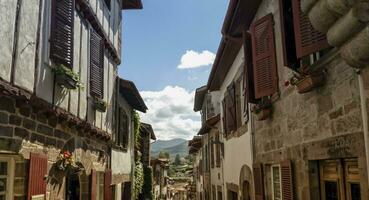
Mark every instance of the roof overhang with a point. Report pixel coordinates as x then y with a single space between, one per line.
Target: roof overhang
130 93
209 124
131 4
199 98
239 16
147 129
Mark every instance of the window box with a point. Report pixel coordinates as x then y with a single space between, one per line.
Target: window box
263 110
66 81
99 104
263 114
309 82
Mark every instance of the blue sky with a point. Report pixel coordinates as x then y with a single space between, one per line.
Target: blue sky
155 41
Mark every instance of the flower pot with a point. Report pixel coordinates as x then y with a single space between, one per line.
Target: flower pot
66 81
263 114
99 105
310 82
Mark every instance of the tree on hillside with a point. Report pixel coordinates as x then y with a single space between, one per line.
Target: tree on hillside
177 160
163 154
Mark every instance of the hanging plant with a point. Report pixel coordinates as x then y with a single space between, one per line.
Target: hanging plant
66 163
66 78
137 124
100 104
305 81
262 110
138 179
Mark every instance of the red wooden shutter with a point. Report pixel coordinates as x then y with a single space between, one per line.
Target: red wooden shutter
258 182
93 185
96 65
107 185
37 173
231 119
286 180
61 34
264 60
308 40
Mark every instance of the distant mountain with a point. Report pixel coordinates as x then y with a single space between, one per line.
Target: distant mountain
173 147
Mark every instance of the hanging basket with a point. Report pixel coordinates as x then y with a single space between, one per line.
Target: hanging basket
99 105
309 82
263 114
66 81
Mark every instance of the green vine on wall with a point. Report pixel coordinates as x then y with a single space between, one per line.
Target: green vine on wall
138 179
137 124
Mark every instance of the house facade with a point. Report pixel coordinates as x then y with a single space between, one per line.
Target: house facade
303 102
160 168
194 147
58 96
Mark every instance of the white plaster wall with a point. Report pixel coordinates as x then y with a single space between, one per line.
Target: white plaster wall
237 150
84 66
121 162
7 19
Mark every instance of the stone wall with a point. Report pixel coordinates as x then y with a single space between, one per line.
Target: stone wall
23 129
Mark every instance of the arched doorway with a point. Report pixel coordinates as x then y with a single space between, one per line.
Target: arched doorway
246 183
246 193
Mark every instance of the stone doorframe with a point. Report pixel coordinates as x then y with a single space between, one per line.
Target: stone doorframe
246 175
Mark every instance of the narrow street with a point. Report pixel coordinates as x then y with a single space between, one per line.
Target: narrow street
184 100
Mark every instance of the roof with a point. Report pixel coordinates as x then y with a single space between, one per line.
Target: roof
209 124
239 16
147 129
199 98
130 93
131 4
195 144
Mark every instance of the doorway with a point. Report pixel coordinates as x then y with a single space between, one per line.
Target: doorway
73 187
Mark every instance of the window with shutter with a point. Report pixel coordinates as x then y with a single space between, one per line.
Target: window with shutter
286 179
264 59
231 120
308 40
96 65
258 182
224 118
107 185
61 34
123 129
37 173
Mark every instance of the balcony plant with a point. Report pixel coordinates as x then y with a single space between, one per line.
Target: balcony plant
66 163
100 104
306 81
66 78
262 110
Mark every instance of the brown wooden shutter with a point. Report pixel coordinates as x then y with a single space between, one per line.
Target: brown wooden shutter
264 59
308 40
224 119
107 185
286 180
96 65
231 108
37 173
258 181
93 185
123 128
61 34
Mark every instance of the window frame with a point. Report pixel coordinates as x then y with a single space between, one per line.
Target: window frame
100 185
272 181
11 160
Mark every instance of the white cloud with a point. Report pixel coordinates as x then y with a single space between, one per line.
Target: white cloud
170 113
192 59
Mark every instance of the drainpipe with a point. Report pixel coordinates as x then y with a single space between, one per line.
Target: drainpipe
364 113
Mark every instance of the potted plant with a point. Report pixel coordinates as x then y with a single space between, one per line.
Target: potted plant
306 81
262 110
100 104
66 78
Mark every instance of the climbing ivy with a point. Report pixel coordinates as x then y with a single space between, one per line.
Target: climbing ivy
147 186
137 124
138 179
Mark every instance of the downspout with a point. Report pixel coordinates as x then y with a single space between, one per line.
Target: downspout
364 113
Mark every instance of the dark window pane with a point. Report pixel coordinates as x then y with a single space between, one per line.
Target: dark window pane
2 184
355 191
3 168
331 190
2 197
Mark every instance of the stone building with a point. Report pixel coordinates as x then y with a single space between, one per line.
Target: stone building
160 168
58 99
194 147
303 64
147 135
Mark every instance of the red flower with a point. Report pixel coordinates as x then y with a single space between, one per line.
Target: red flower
66 154
286 83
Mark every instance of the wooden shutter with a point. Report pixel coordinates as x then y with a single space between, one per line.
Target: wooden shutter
107 185
61 34
231 119
286 180
224 119
93 184
258 182
308 40
37 173
96 65
264 60
123 128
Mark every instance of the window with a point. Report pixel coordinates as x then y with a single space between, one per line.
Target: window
218 148
220 195
212 152
123 129
13 178
339 179
108 4
232 195
96 65
214 192
276 182
100 186
229 110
